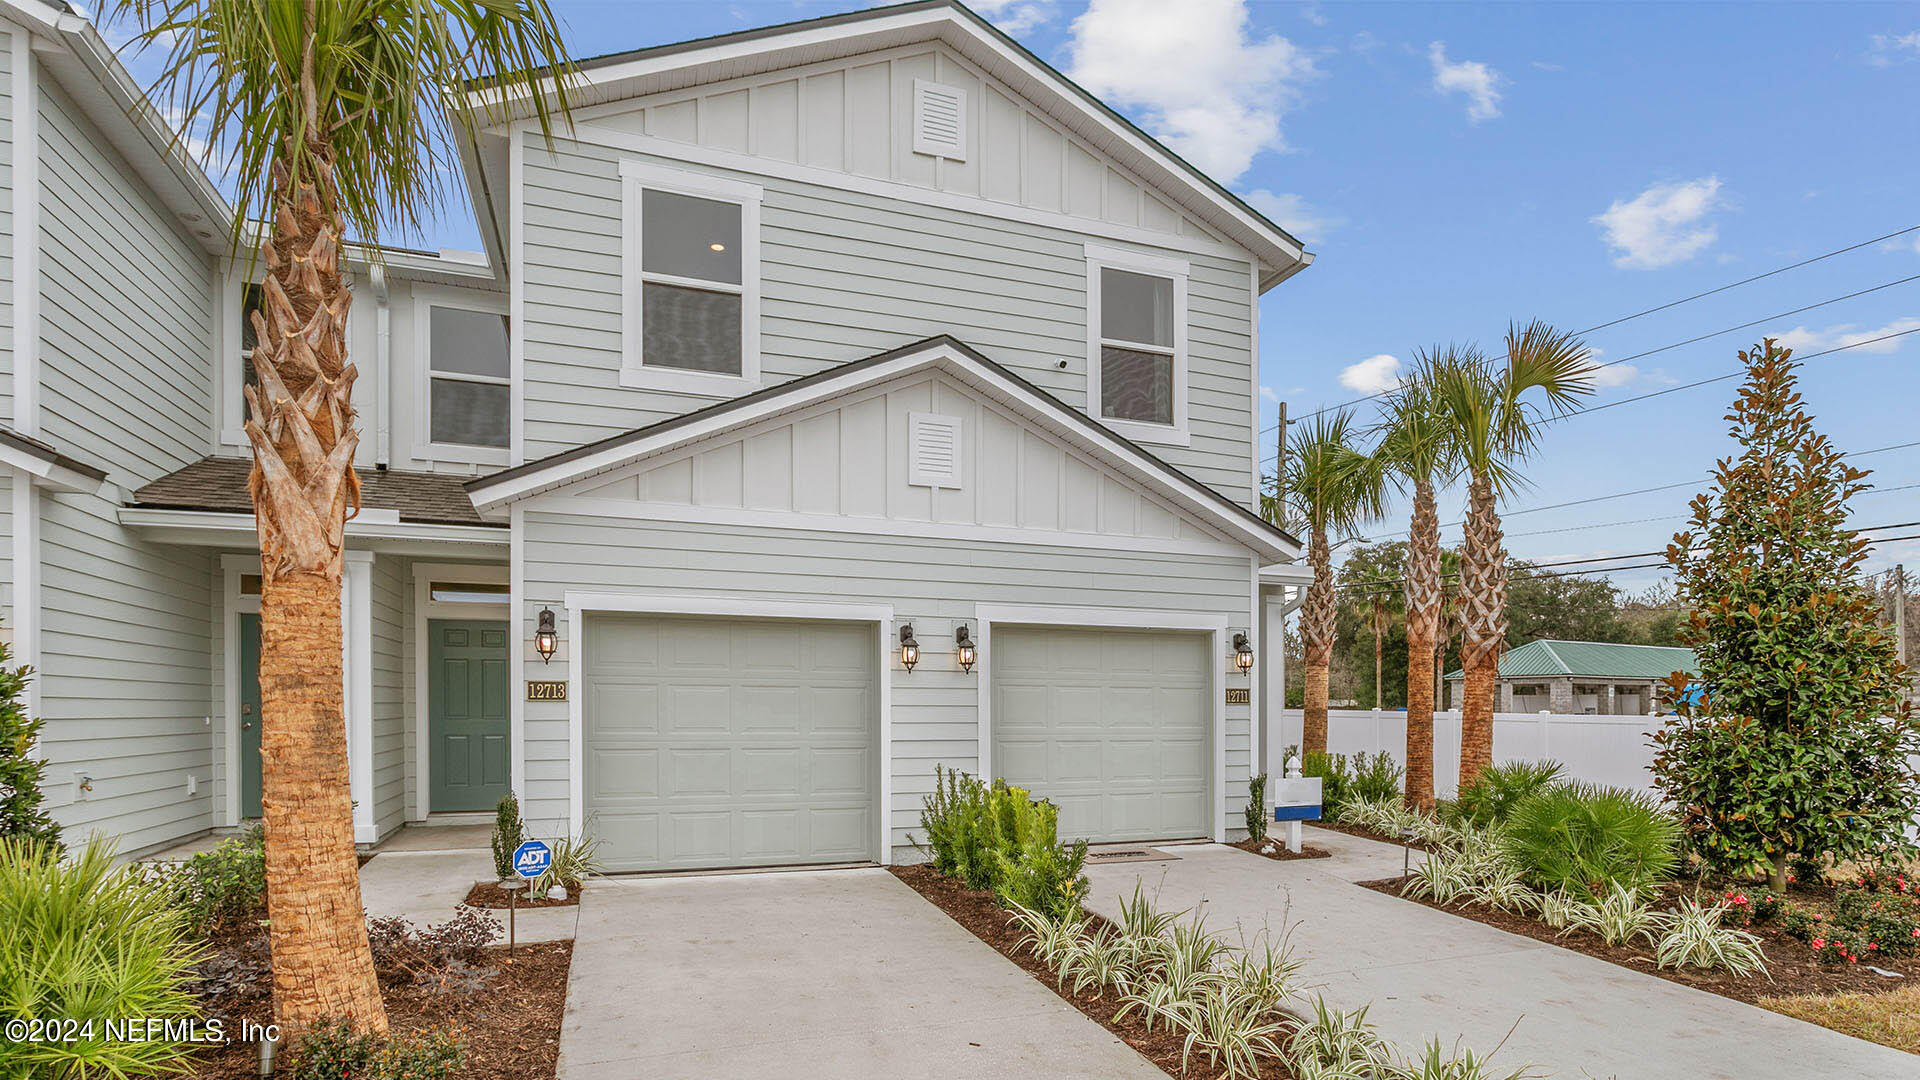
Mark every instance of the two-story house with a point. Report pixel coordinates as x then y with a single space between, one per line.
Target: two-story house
832 401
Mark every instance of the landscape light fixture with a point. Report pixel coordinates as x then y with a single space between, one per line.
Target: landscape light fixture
963 649
546 639
1242 653
909 648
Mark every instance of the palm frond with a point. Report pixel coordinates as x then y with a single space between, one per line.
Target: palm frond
1337 487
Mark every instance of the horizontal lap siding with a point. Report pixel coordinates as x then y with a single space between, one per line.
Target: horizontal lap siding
128 624
845 275
390 691
934 584
6 247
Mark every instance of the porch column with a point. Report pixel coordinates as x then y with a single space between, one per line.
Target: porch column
1607 705
1506 695
356 629
1560 696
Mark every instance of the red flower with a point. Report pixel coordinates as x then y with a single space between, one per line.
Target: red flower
1819 943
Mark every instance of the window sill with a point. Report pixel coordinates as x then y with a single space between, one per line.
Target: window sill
671 381
1142 432
459 455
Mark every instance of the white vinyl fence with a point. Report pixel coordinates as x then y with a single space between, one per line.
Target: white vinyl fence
1611 750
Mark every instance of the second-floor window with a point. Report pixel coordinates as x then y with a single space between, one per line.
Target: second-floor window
468 383
692 278
1137 344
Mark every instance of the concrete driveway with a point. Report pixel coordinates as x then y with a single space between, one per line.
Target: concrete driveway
842 973
1426 973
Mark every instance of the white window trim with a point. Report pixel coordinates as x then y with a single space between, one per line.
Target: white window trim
1100 257
636 177
424 448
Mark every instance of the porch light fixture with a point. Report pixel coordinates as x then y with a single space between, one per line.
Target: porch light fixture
1242 653
963 650
909 648
546 639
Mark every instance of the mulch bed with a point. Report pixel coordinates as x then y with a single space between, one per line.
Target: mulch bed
1274 849
486 894
507 1011
978 911
1792 964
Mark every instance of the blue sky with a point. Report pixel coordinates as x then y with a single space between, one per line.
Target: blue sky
1457 166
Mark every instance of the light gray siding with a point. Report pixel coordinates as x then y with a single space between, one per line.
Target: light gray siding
127 624
390 692
6 229
844 275
934 584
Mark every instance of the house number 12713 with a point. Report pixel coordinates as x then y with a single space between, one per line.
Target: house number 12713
546 690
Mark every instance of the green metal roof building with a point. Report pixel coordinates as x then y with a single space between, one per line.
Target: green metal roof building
1575 677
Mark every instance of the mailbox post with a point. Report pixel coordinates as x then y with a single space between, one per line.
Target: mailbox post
1296 799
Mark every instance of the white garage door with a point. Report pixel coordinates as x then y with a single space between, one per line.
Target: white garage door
1114 726
730 742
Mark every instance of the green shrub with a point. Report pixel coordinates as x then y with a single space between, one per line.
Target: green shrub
574 859
1336 782
1375 777
507 834
1798 923
1890 922
221 889
1585 839
1257 808
1489 798
999 839
335 1051
21 771
87 942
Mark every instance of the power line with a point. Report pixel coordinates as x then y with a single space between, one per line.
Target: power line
1688 299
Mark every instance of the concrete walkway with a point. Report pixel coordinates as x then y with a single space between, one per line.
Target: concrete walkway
1428 973
422 874
841 973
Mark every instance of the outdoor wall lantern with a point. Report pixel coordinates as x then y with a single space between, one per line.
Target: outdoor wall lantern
909 648
963 649
1242 653
546 639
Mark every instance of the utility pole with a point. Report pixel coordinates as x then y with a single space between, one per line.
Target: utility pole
1280 470
1379 684
1900 611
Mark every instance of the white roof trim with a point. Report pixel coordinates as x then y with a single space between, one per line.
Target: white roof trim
1181 491
378 528
676 67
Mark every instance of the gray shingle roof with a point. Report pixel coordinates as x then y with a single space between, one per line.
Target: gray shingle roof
220 484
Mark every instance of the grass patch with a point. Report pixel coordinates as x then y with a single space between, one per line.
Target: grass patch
1890 1019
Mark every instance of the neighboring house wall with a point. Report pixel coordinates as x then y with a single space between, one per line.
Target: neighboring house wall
930 582
127 624
845 274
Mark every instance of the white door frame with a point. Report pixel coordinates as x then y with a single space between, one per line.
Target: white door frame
425 609
1112 619
233 605
579 604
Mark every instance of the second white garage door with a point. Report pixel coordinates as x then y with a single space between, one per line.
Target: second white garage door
1114 726
730 742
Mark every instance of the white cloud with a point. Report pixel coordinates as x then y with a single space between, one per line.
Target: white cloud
1312 14
1886 50
1015 17
1663 225
1480 83
1544 65
1910 242
1606 378
1294 214
1802 340
1195 75
1373 375
1268 393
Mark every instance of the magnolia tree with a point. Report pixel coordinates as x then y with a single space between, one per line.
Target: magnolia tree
1796 742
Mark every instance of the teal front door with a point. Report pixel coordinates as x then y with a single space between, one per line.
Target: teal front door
467 714
250 716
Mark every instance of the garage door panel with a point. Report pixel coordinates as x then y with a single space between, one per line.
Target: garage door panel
1114 726
762 750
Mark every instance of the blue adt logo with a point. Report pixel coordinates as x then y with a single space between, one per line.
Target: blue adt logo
531 859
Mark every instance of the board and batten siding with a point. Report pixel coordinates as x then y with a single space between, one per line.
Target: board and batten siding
936 584
844 275
127 625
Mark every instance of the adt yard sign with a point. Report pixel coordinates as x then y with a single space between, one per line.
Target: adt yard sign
531 859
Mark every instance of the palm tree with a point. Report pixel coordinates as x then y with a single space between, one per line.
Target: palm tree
1418 450
332 110
1335 491
1495 425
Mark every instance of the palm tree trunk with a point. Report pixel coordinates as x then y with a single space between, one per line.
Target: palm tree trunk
1316 637
1483 568
1423 618
304 487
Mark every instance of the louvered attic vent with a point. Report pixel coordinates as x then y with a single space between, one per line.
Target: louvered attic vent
939 120
933 450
